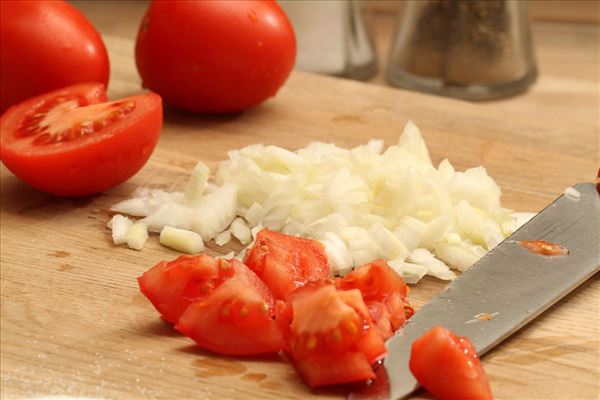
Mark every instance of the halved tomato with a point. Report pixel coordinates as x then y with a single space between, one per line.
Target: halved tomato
448 366
72 142
384 293
236 319
286 262
330 335
172 286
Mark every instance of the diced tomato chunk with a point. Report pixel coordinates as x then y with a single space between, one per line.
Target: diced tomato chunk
384 293
330 335
321 370
448 366
172 286
286 262
236 319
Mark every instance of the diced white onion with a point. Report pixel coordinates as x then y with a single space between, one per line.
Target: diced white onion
410 272
240 231
169 214
197 183
120 225
434 266
223 238
572 193
181 239
215 212
137 235
362 204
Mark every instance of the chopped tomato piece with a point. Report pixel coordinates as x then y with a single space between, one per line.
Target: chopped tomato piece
236 319
448 366
286 262
330 335
172 286
384 293
544 248
321 370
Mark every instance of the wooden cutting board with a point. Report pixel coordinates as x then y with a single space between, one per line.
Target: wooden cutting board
75 324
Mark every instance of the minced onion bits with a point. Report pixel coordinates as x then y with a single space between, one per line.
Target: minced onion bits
362 204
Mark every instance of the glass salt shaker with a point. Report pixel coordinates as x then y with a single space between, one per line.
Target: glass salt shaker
470 49
332 38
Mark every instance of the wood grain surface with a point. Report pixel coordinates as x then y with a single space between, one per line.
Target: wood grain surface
73 322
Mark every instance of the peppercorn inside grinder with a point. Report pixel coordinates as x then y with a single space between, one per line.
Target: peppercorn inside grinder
470 49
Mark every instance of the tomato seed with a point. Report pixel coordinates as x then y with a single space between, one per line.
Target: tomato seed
244 311
30 126
350 327
44 138
311 343
337 335
224 265
264 308
225 310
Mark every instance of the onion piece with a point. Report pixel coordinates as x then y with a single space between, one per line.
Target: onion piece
215 212
120 225
362 203
410 272
137 235
181 239
434 266
240 231
223 238
197 183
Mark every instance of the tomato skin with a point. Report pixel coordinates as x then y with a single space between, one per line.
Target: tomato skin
215 56
448 366
91 163
46 45
325 370
236 319
286 263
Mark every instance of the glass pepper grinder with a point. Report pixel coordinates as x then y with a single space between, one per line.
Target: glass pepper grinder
470 49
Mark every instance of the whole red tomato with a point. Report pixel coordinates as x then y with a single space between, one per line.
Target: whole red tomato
215 56
46 45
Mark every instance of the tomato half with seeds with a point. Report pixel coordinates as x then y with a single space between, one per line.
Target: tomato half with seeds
286 262
448 366
330 335
384 293
73 142
172 286
236 319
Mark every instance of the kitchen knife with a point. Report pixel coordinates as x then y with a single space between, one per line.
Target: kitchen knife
511 284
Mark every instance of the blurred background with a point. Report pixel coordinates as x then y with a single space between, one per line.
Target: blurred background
565 51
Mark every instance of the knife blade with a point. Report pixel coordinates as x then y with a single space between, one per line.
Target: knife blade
510 283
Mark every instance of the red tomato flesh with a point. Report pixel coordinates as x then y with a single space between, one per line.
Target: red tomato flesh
236 319
448 366
384 293
286 262
46 45
330 335
71 142
172 286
